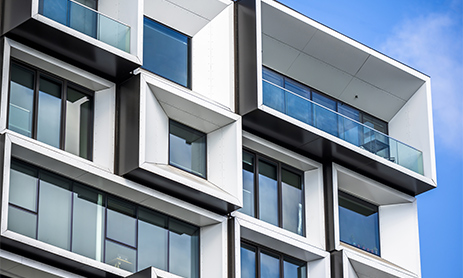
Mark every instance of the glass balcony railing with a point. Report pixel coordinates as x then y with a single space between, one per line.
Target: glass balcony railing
341 126
87 21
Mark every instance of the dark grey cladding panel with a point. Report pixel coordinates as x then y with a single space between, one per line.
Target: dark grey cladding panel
58 261
127 125
72 50
246 50
336 264
181 191
13 13
324 150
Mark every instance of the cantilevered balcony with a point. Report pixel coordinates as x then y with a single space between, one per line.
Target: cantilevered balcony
338 125
88 21
105 42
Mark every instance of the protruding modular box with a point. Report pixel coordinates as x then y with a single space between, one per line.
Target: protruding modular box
146 105
103 38
309 54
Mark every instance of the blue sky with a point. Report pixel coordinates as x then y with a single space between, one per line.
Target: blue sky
428 36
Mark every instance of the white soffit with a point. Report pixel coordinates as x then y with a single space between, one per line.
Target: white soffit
185 16
328 61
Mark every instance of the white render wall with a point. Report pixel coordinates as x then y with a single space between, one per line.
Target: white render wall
413 126
398 219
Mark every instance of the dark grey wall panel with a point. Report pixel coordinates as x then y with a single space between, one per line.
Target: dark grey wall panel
336 264
246 44
13 13
128 125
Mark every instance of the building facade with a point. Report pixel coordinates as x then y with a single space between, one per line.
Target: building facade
209 138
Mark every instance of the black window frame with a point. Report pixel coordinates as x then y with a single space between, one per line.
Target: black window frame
280 166
258 249
189 54
39 172
64 85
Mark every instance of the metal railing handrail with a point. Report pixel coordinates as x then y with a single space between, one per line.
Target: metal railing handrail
116 20
337 113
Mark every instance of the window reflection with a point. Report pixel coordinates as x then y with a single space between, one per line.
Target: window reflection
358 223
47 207
279 195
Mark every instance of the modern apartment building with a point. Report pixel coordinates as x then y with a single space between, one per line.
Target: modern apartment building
207 138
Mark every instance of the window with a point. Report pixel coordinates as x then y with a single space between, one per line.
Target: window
273 192
258 262
166 52
358 223
314 115
51 110
75 217
187 148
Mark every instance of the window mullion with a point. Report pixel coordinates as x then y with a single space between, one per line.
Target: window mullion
63 115
256 186
35 112
280 196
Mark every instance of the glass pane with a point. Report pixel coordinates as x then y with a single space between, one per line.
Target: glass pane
49 114
183 249
325 119
88 223
120 256
349 128
121 222
358 223
79 131
294 269
22 222
23 187
82 19
293 213
165 52
299 108
21 100
248 262
55 211
89 3
273 96
248 184
268 193
269 266
297 88
187 149
113 33
152 240
55 9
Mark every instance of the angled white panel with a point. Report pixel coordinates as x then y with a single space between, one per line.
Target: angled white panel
335 52
371 99
277 55
319 75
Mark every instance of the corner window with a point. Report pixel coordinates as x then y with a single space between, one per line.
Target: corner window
273 192
259 262
166 52
187 148
359 223
51 110
75 217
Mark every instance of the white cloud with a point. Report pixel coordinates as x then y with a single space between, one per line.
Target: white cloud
433 44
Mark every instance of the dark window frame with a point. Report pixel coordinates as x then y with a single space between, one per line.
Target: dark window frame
280 166
189 54
258 249
39 172
38 73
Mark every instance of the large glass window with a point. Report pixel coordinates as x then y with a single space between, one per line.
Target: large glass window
166 52
273 192
187 148
358 223
257 262
75 217
51 110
